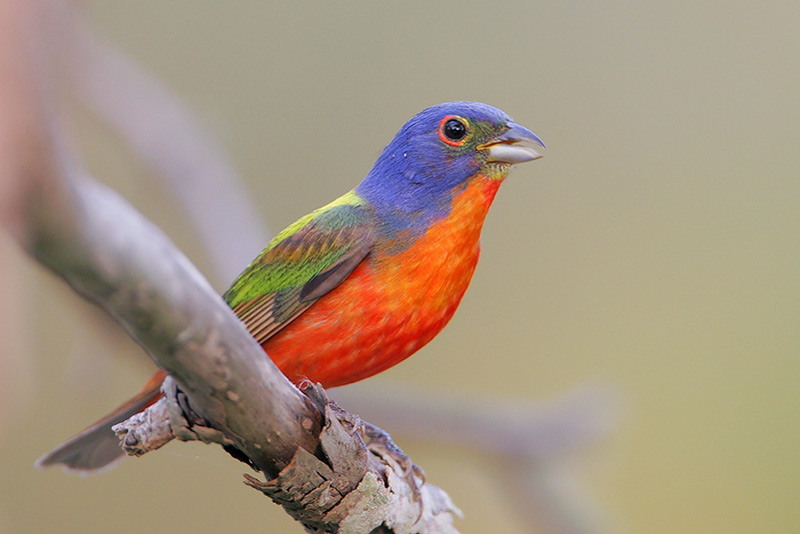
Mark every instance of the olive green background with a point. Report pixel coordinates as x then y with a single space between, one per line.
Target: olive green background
654 251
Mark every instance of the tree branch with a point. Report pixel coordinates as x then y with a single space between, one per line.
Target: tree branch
313 452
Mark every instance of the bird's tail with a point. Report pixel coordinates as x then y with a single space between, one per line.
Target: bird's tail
97 446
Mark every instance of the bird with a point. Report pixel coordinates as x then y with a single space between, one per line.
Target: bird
365 281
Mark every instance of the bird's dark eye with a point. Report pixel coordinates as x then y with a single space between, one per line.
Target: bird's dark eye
453 130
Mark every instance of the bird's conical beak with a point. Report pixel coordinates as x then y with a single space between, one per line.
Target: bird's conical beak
505 148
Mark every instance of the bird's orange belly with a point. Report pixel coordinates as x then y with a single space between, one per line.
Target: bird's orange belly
390 306
354 333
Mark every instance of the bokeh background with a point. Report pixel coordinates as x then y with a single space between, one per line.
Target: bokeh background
654 251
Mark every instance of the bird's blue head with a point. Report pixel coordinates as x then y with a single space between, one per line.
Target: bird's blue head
437 152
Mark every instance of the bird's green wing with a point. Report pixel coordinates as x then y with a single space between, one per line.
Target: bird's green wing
303 263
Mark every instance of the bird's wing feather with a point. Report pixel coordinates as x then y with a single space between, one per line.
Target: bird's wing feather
302 264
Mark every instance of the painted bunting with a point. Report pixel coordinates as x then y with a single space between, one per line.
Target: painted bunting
362 283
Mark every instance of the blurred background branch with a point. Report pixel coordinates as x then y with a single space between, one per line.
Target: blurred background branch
170 140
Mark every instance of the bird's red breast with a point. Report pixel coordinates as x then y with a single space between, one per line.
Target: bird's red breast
392 304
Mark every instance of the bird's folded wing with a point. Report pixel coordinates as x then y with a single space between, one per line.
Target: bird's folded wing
299 266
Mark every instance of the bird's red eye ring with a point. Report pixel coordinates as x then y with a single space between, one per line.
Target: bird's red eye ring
453 130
